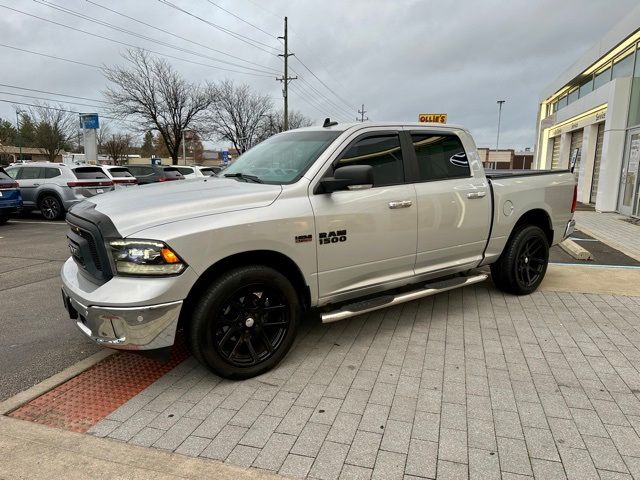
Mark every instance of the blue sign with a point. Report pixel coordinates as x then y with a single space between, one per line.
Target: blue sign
225 156
89 121
156 161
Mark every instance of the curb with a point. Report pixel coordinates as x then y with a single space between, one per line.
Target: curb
52 382
575 250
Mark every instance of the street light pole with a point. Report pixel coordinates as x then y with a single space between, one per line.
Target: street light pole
500 102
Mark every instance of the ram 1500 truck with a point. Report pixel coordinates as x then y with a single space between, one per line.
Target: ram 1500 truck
339 219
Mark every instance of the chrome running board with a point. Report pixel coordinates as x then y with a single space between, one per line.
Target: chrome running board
385 301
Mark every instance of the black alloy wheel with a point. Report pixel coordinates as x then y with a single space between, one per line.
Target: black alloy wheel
251 325
244 322
50 207
523 263
531 262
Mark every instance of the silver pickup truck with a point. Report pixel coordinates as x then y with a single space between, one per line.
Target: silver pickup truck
340 220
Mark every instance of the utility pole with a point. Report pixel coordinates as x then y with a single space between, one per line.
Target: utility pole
500 102
18 112
286 78
362 117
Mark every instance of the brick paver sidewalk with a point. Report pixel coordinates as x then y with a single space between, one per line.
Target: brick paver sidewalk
471 383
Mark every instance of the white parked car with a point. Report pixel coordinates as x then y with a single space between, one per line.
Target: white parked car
121 176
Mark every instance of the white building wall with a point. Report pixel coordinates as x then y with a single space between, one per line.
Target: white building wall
587 159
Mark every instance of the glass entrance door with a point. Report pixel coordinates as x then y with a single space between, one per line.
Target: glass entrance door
629 188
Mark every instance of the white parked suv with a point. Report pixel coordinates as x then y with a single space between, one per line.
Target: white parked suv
197 171
340 220
121 176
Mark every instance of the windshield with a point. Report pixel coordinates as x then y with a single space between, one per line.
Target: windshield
283 158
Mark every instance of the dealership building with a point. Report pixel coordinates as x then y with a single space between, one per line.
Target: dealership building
589 119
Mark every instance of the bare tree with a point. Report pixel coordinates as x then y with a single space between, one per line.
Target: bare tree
102 135
116 146
273 123
149 91
236 114
55 129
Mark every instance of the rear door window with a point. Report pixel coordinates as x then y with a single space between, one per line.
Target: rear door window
50 172
440 156
31 173
172 172
120 172
90 173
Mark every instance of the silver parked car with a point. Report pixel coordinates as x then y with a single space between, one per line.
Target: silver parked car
53 188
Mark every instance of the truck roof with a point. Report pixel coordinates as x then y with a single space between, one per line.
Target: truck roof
341 127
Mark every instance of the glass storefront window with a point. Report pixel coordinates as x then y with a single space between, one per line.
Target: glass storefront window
586 87
623 67
602 77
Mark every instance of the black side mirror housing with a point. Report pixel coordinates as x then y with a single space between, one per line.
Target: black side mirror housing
350 177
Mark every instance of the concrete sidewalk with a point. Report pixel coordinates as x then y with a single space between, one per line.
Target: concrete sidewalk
610 228
31 451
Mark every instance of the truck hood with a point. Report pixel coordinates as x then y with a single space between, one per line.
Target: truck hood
137 208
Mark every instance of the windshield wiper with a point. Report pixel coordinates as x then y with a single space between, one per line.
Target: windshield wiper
244 176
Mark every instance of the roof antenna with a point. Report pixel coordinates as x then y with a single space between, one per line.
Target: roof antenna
328 123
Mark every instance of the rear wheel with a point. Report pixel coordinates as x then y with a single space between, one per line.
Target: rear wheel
245 322
50 207
523 263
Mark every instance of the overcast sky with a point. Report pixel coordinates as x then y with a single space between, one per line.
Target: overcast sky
398 57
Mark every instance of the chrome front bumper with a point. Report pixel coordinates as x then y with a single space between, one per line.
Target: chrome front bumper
571 227
126 328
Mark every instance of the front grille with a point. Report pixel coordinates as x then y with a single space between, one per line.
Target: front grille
87 249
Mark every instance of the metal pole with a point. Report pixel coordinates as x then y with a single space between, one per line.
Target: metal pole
500 102
285 78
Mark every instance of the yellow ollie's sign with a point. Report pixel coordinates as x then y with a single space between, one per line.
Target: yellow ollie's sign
432 118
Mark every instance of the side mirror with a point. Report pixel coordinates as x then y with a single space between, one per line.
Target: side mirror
350 177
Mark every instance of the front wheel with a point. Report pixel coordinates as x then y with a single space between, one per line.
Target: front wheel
523 263
245 322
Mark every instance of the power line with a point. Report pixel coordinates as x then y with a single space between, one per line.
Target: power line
334 104
51 56
237 36
144 37
241 19
131 45
324 84
49 100
309 100
53 93
174 34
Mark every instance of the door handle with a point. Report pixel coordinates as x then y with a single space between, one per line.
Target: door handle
400 204
479 194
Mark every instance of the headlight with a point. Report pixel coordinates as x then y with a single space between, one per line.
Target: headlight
145 257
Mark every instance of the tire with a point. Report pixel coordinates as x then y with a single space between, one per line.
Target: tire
245 322
50 207
4 219
518 271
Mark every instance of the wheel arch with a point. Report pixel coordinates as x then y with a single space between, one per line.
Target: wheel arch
270 258
536 217
50 192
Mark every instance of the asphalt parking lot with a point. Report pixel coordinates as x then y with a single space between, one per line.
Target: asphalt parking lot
37 339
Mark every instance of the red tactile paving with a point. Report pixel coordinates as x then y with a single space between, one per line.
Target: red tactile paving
83 401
